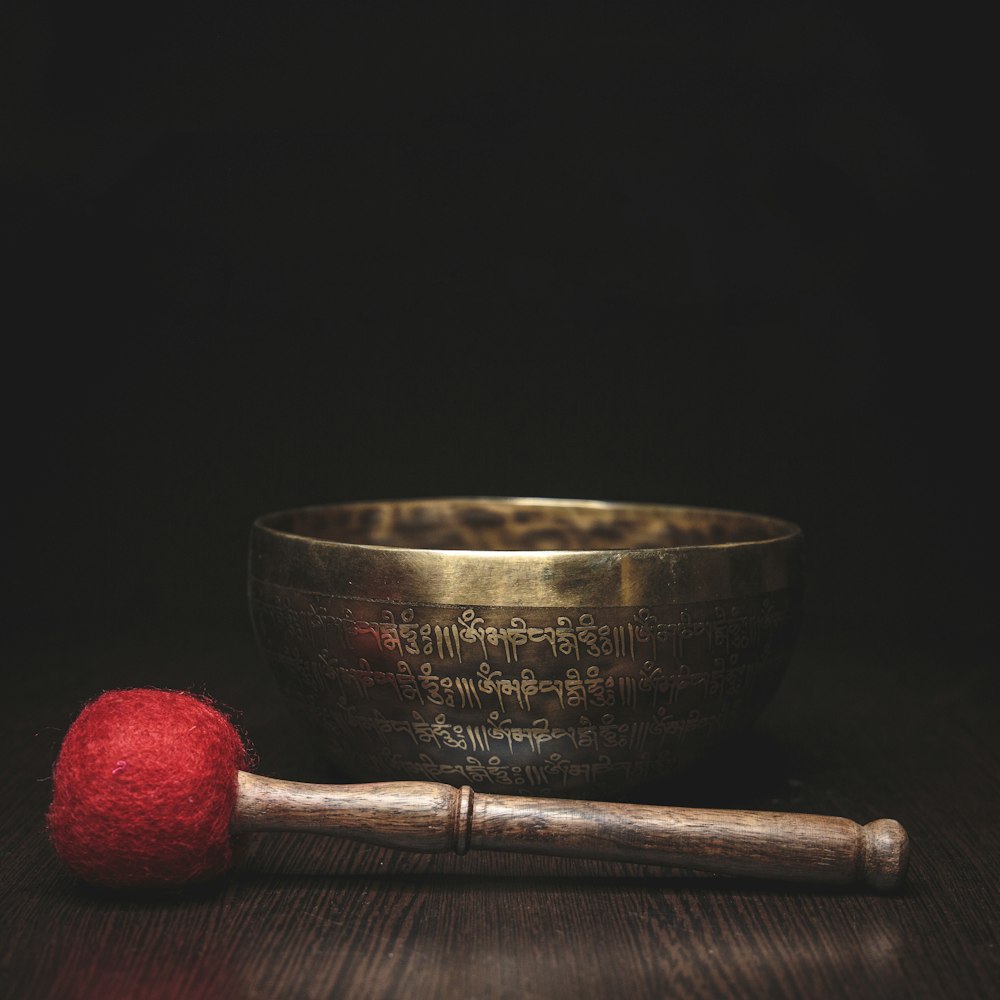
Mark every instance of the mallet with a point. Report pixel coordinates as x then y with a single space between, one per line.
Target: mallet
149 789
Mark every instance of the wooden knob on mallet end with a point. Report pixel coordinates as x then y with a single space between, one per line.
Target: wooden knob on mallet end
150 786
885 853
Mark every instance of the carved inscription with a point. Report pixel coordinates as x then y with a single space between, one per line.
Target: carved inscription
536 699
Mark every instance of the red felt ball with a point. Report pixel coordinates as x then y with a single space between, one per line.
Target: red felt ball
144 789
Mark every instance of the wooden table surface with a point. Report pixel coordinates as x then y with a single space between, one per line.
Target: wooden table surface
860 728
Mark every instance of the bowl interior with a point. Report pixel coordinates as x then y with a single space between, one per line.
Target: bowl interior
526 525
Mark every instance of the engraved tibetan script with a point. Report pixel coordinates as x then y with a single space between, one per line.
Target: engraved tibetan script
539 697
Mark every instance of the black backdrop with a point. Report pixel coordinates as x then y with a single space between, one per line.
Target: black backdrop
638 252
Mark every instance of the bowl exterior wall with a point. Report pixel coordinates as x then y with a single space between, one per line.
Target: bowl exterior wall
399 677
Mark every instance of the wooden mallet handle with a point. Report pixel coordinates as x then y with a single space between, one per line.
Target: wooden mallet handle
435 818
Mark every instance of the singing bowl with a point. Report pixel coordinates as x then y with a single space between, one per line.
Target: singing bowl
524 646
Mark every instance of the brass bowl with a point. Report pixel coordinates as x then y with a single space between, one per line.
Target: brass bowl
526 646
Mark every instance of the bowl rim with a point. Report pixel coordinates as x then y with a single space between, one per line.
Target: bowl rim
520 578
785 529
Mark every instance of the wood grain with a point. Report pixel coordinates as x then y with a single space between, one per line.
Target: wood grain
432 818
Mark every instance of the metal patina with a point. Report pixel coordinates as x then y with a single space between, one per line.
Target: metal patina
531 646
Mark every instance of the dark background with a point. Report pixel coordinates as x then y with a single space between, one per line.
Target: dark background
739 257
647 252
